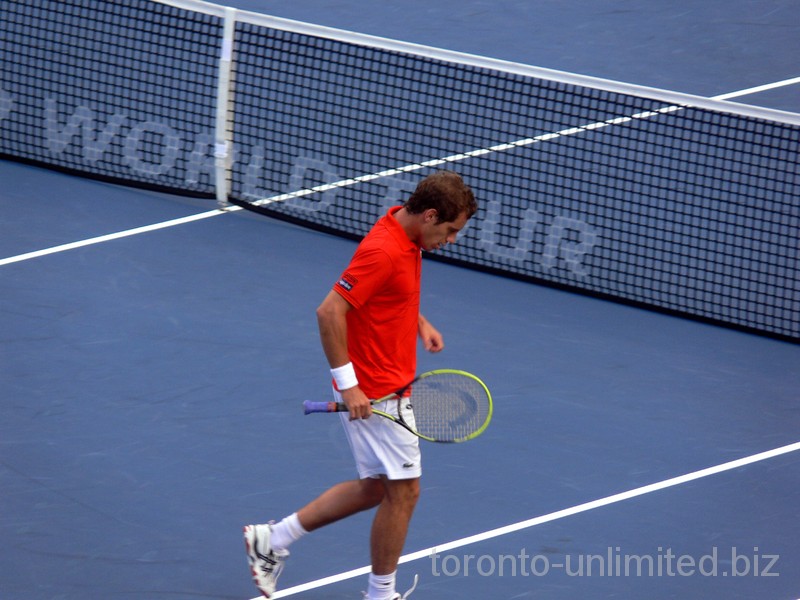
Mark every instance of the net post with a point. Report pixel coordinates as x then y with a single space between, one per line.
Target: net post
223 149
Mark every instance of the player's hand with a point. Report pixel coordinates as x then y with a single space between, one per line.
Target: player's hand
357 403
430 336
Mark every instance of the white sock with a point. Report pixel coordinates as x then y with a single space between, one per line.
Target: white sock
288 531
381 587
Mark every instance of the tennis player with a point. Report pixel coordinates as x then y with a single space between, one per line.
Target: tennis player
369 324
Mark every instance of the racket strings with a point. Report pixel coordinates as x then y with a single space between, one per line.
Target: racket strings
447 407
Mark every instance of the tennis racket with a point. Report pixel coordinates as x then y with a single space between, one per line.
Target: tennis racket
438 406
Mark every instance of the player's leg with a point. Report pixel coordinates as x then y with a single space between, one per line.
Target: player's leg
340 501
401 468
390 526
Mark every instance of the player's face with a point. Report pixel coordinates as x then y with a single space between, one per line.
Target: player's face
437 235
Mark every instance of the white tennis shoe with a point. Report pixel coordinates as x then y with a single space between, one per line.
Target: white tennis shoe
266 563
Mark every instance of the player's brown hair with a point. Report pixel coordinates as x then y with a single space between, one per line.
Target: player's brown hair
446 192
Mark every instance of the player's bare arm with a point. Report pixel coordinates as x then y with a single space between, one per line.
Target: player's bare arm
332 321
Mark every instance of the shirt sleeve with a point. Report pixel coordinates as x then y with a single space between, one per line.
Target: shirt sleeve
367 271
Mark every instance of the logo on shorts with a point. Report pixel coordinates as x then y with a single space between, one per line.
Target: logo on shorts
347 281
408 465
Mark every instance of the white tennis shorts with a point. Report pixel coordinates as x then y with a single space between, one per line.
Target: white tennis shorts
381 447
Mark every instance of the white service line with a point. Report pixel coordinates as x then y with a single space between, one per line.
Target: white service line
389 172
567 512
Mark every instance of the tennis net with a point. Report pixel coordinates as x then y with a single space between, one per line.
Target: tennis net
670 201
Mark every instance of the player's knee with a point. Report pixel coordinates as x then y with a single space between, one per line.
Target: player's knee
403 491
373 491
413 493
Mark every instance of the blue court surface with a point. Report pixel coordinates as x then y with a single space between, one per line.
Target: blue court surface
150 385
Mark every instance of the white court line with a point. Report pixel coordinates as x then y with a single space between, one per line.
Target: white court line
554 516
389 172
757 89
112 236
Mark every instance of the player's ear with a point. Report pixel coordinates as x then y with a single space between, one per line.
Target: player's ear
431 215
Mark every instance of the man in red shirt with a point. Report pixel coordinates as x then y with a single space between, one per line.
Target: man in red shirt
369 323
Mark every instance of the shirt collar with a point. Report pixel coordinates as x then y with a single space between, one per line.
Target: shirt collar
397 231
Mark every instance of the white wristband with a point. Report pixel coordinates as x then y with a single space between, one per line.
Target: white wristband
345 377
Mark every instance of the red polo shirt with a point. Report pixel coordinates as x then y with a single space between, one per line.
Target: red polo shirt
382 284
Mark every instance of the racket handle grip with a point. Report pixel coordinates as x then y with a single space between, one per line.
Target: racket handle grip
322 407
